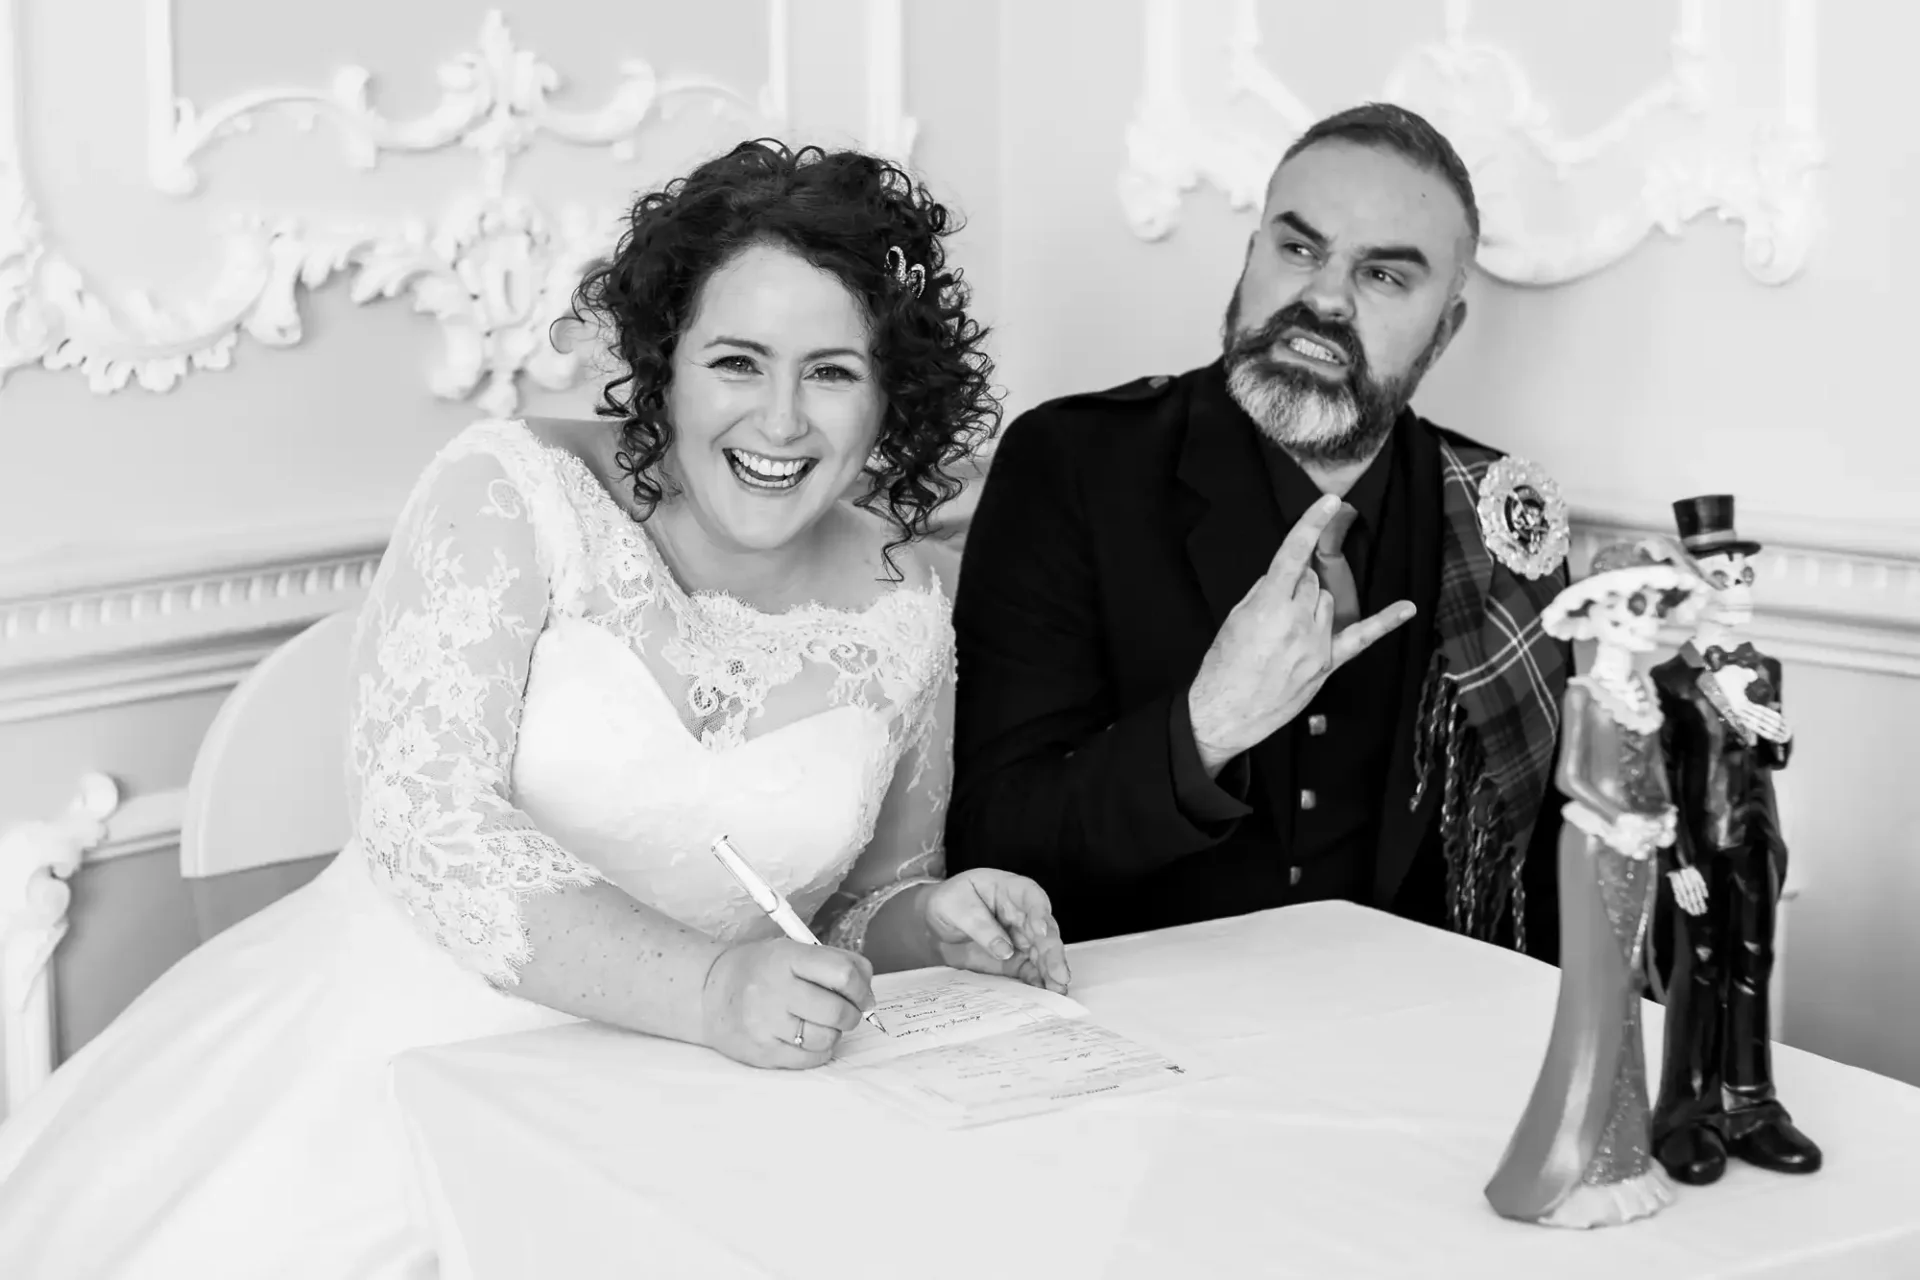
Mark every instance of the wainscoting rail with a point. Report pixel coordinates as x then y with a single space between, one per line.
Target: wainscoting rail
79 634
1837 594
88 635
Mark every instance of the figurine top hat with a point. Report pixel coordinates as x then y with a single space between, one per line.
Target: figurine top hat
1706 527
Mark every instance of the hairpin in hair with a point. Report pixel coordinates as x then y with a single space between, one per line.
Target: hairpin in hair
913 277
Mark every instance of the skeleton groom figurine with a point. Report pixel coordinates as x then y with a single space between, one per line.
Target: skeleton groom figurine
1723 735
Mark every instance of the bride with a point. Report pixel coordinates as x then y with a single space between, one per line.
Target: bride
590 650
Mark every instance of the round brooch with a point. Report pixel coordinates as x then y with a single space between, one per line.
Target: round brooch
1523 518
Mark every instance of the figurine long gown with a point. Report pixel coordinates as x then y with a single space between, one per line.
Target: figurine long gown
1580 1157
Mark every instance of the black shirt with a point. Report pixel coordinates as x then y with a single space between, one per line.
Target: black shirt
1295 492
1337 750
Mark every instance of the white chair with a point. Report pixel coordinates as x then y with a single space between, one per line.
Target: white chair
266 803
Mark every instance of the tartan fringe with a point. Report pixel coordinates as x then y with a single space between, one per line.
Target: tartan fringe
1484 865
1429 724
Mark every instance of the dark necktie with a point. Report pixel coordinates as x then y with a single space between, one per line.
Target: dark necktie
1336 575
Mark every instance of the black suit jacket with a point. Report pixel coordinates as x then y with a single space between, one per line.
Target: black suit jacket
1722 787
1115 532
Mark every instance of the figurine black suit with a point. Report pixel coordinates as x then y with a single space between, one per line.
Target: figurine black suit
1723 736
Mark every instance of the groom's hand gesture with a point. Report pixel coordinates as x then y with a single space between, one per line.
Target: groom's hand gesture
1276 648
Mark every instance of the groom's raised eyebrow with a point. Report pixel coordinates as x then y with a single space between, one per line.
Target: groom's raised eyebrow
1406 253
1301 227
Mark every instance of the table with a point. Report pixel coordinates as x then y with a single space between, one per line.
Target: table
1372 1071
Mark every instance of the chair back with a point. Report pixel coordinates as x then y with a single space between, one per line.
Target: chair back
269 781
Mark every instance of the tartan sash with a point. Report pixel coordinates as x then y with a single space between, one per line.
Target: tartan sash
1489 727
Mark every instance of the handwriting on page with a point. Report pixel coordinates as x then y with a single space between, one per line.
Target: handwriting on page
1031 1069
948 1010
963 1049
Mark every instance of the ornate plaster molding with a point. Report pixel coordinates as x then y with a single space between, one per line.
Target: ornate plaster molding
494 267
1744 161
493 100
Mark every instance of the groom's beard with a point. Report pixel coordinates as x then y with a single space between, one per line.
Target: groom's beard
1315 419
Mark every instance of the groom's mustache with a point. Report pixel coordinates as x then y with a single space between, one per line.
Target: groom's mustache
1297 318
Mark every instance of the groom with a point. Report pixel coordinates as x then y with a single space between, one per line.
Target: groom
1192 685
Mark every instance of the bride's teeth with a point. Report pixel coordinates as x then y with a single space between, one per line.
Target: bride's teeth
772 470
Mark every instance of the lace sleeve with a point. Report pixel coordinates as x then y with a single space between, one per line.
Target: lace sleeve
439 670
908 838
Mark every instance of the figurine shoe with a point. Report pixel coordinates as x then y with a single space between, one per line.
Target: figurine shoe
1694 1155
1776 1144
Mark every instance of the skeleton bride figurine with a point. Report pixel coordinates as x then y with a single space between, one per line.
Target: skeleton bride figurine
1580 1156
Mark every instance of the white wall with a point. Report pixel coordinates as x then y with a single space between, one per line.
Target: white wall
152 544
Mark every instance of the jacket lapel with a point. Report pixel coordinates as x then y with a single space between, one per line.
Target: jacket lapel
1233 532
1233 526
1403 827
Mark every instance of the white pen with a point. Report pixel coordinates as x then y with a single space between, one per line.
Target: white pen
770 901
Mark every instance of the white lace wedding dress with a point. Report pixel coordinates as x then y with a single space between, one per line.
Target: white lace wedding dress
236 1121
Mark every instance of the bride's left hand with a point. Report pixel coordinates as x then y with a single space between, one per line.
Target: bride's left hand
993 921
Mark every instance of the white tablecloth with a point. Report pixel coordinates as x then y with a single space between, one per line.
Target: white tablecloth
1372 1071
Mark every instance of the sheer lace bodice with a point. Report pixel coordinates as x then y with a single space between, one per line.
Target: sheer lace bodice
539 705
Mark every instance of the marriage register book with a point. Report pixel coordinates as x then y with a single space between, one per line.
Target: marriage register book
964 1049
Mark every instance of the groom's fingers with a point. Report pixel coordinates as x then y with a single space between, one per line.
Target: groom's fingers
1053 959
974 918
1354 640
1028 902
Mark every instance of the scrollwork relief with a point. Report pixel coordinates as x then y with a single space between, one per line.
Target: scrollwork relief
493 101
1688 145
494 267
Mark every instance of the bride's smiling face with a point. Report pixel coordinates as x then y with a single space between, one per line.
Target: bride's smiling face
774 400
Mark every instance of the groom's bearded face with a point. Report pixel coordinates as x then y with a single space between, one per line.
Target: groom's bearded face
1348 296
1330 416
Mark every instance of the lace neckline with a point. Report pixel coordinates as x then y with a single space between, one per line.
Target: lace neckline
1629 701
812 613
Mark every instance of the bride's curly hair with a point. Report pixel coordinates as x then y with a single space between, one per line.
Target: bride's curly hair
841 211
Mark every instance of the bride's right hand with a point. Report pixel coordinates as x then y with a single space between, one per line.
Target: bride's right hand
760 996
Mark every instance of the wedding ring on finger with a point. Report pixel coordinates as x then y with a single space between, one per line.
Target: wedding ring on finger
799 1040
